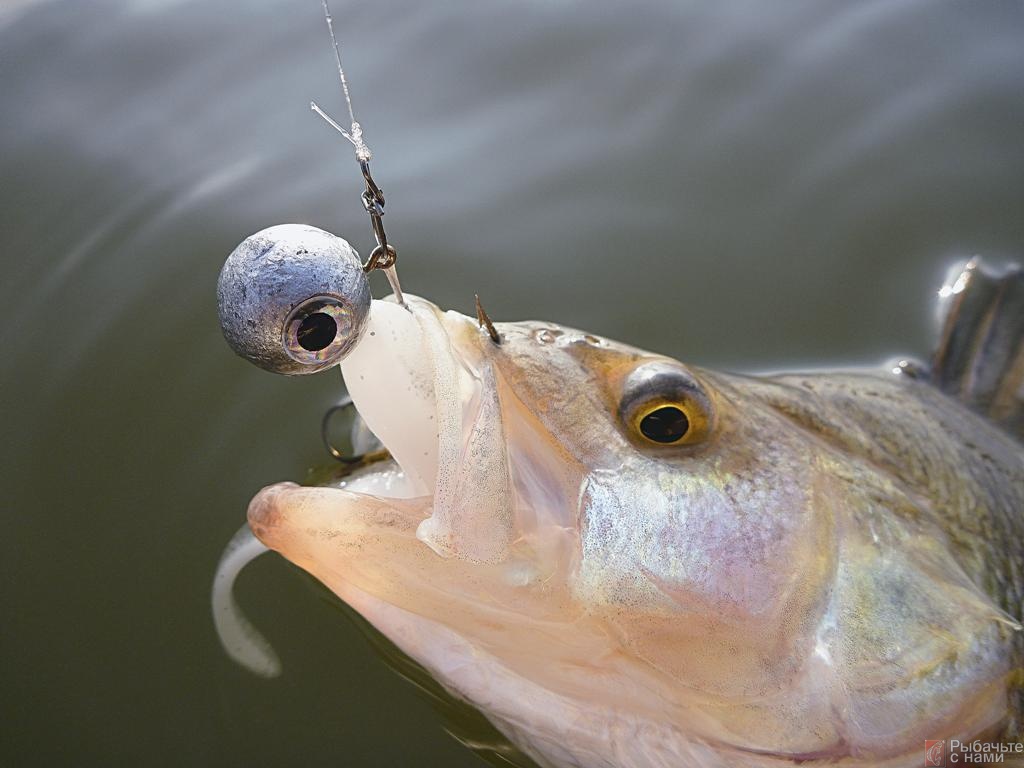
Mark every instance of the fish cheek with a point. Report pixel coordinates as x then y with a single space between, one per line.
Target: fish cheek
713 582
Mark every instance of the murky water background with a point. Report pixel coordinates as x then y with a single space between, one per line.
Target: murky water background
733 183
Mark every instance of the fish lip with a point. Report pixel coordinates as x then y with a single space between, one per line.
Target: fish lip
264 512
280 510
267 514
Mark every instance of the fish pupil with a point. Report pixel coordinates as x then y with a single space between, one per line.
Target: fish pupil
316 331
667 424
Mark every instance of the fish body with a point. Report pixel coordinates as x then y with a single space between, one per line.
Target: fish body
624 561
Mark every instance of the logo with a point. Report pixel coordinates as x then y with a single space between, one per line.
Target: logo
935 754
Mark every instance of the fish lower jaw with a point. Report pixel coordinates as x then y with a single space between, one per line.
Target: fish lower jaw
553 729
387 480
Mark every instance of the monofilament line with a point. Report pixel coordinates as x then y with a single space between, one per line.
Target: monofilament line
355 133
337 58
373 198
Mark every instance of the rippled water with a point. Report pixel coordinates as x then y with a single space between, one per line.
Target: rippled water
737 184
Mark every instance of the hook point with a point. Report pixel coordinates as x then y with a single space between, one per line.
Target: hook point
485 321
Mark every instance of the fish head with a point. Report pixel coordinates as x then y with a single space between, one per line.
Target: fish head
615 534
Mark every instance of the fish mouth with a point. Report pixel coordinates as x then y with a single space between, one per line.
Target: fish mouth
448 514
410 397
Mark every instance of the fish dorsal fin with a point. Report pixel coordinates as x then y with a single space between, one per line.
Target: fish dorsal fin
980 356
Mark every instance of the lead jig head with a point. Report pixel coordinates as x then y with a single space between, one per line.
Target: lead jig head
293 299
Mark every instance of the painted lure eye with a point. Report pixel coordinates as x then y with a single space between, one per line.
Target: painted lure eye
318 330
664 405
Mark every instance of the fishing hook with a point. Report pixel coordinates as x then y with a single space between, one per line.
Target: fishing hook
485 321
325 423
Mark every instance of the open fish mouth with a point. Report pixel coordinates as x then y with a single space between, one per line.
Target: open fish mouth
420 381
452 508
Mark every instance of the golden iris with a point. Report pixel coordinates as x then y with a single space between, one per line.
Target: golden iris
671 422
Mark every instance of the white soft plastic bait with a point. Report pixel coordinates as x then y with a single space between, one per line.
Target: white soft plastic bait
391 379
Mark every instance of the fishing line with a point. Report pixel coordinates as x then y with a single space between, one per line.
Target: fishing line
384 256
341 74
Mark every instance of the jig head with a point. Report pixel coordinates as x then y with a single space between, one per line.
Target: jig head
293 299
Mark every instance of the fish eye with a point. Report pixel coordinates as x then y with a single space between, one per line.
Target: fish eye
663 404
664 424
